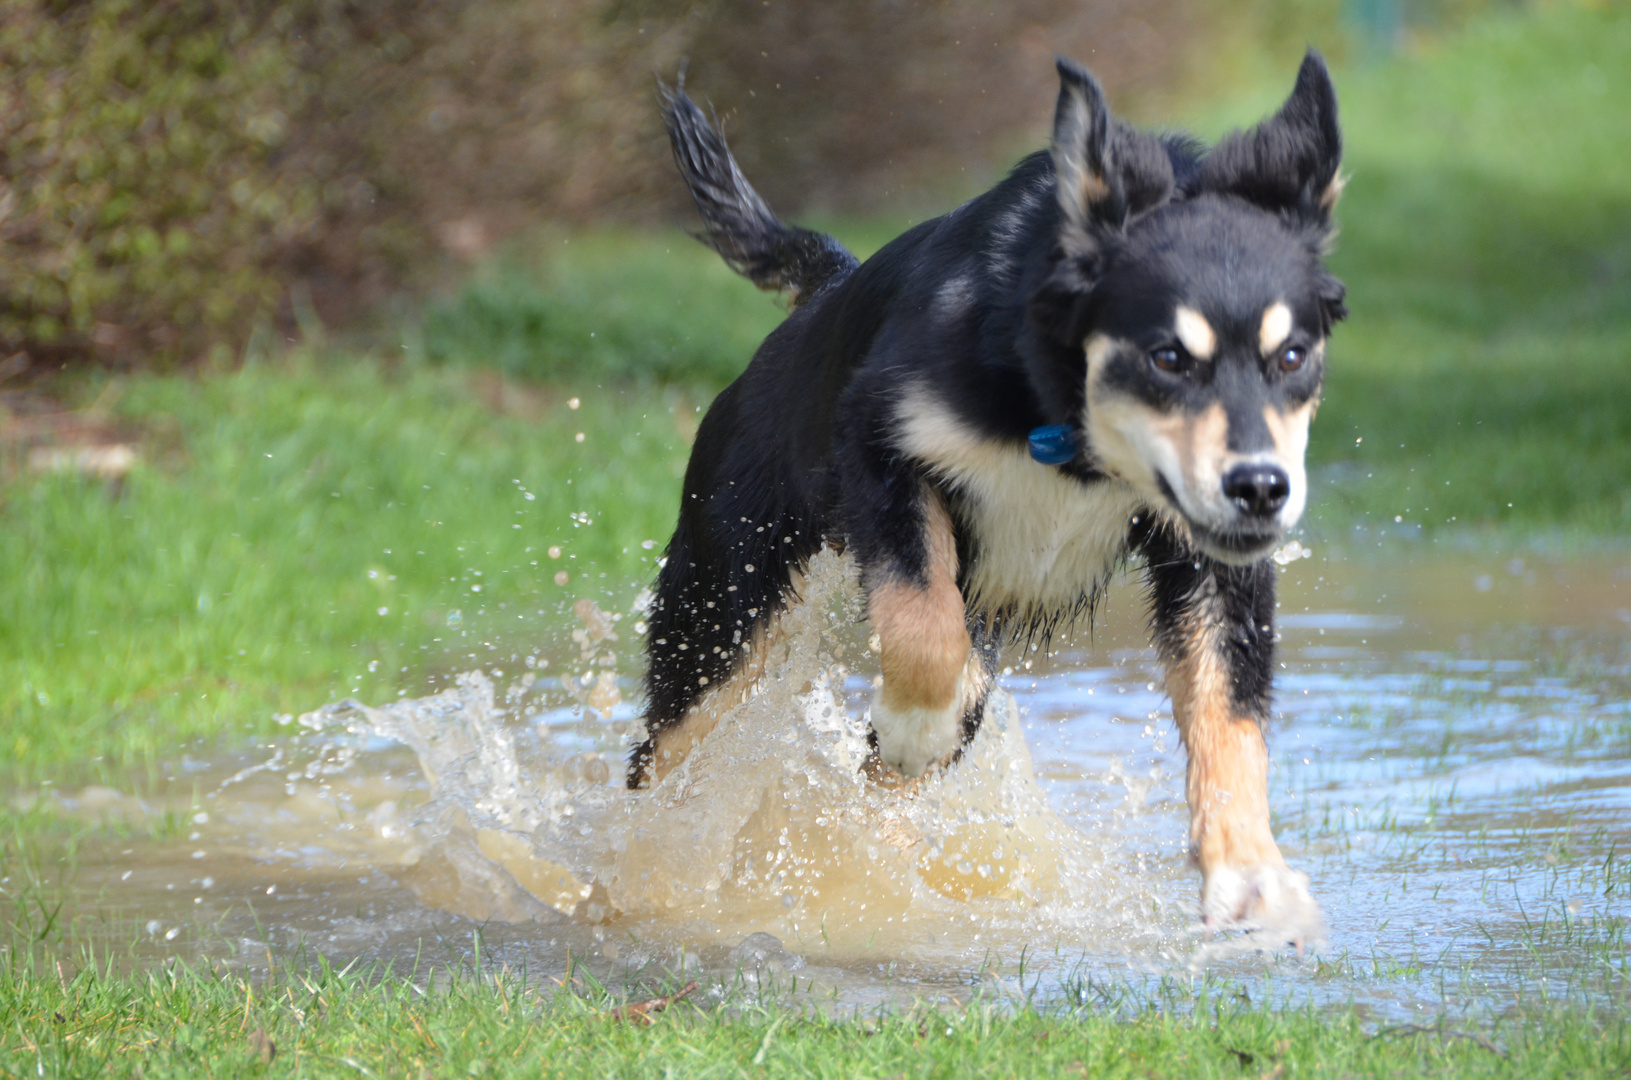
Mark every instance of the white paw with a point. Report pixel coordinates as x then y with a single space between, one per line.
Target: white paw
1269 896
911 740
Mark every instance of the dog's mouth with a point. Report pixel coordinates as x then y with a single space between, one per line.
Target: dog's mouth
1242 541
1234 547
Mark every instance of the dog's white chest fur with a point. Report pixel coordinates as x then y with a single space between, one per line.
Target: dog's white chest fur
1042 540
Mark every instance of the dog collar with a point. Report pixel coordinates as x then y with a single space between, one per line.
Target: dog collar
1052 444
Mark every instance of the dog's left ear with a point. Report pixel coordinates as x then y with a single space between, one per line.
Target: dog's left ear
1289 163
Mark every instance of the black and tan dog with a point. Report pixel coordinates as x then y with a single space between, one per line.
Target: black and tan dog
1115 352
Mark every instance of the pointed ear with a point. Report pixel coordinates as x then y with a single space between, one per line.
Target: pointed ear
1088 194
1106 171
1289 162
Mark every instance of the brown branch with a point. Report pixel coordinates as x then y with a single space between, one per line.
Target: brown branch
645 1011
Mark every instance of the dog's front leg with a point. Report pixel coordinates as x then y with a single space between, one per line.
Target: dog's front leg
917 611
1215 632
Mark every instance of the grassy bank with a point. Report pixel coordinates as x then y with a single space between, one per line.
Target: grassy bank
1486 242
312 528
184 1022
1487 248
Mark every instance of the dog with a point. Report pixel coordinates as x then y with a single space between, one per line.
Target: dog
1113 354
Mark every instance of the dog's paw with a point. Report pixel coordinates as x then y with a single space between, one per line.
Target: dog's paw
912 740
1269 896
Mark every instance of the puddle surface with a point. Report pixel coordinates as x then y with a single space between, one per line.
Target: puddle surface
1451 766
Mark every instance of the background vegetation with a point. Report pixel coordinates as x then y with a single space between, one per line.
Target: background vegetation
177 174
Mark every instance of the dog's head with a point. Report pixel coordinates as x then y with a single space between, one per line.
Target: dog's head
1201 305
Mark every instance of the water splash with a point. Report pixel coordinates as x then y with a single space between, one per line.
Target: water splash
769 827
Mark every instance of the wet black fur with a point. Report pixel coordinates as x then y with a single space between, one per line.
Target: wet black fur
799 450
737 223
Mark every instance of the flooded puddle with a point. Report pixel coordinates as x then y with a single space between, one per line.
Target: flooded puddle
1451 766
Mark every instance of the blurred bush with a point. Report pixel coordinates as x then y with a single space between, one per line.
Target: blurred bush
175 173
138 206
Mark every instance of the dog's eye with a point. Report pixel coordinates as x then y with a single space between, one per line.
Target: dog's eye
1167 358
1292 358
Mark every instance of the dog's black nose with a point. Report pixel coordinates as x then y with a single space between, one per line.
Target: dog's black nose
1259 490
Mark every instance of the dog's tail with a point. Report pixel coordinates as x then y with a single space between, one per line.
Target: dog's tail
737 222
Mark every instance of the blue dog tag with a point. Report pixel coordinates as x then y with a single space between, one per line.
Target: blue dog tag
1053 444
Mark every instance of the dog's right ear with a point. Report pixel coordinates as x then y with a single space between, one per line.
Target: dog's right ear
1106 172
1089 198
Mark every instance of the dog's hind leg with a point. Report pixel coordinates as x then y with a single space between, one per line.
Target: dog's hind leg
744 532
1215 633
706 640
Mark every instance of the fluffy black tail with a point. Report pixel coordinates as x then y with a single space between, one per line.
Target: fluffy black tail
738 224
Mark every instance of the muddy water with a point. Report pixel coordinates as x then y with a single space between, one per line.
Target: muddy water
1452 767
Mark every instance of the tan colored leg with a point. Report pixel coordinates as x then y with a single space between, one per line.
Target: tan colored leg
918 712
1245 878
1227 778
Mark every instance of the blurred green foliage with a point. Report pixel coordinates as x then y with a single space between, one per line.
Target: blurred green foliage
138 211
174 173
605 305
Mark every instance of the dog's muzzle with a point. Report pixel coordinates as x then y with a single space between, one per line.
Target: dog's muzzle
1243 520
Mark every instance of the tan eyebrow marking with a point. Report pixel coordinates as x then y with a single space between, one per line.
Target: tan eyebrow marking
1276 327
1195 333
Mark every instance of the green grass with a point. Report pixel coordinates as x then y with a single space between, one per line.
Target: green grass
1482 380
605 305
306 529
181 1021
